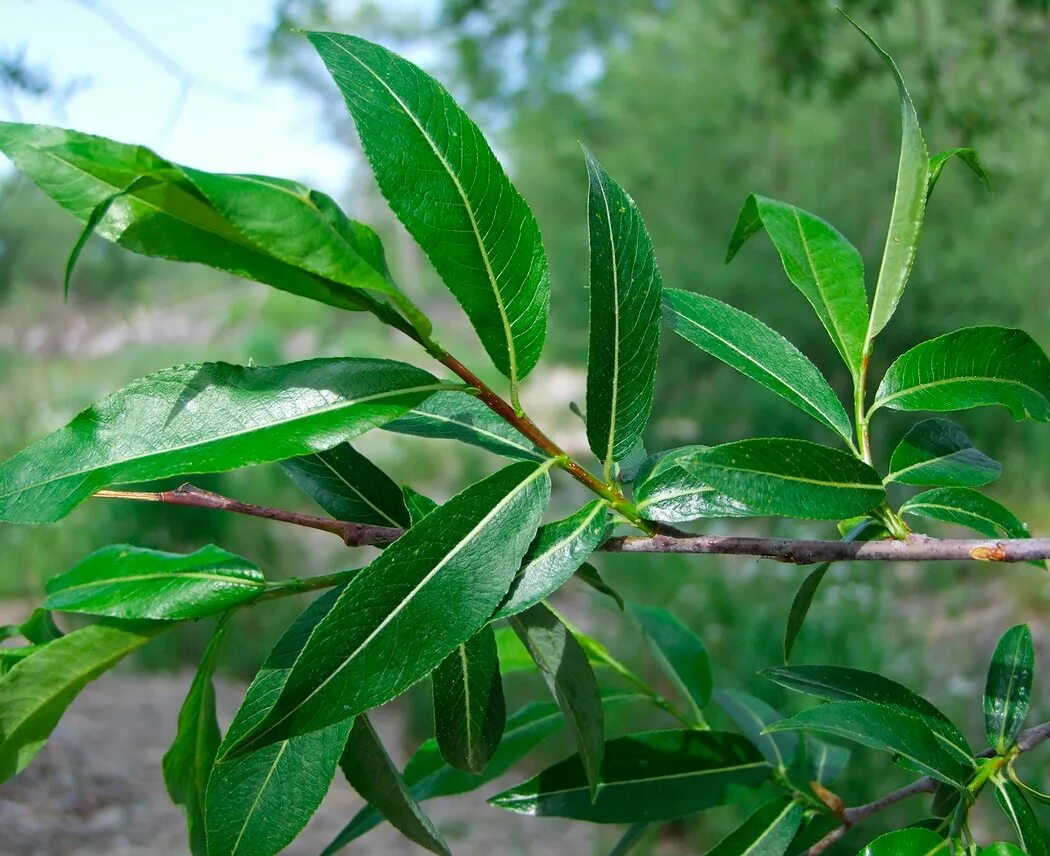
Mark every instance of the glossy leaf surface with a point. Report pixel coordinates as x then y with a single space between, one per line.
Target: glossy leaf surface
768 831
665 490
1008 690
1019 812
966 507
680 653
938 452
907 842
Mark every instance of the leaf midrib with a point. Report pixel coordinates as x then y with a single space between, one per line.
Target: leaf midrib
922 387
599 506
614 391
785 477
175 575
258 797
321 457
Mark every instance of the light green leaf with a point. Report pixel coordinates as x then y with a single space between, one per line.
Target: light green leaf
381 637
972 367
419 505
913 841
650 776
938 452
130 582
822 264
680 653
444 183
469 709
205 418
568 675
790 478
349 486
752 716
36 690
1019 811
965 155
1001 848
624 319
768 831
753 349
664 490
1008 690
556 553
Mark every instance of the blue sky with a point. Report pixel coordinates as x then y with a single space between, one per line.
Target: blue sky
253 124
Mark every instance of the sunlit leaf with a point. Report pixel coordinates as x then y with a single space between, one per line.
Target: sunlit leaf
1019 812
666 491
1008 689
907 842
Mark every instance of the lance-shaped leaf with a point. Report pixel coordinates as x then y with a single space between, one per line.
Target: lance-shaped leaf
755 350
752 716
1009 688
444 183
938 452
130 582
790 478
1019 811
37 689
457 416
188 762
680 653
349 486
568 674
373 775
588 574
419 505
624 318
205 418
972 367
838 683
382 635
665 490
469 709
557 552
967 156
768 831
655 775
822 264
909 206
259 801
913 841
886 728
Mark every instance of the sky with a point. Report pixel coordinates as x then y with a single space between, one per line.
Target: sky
234 120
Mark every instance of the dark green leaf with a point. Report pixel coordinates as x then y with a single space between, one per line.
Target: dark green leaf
630 839
913 841
456 416
469 710
937 452
972 367
188 763
680 653
39 628
1008 689
444 183
589 574
36 690
373 775
555 555
752 715
382 637
791 478
205 418
965 155
1022 818
822 264
768 831
665 491
568 674
624 319
130 582
349 486
656 775
419 505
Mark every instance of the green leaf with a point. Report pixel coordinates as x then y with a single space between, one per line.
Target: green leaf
349 486
624 318
886 728
39 628
131 582
456 416
768 831
664 490
1001 848
752 715
630 839
1022 818
444 183
937 452
790 478
205 418
913 841
373 775
909 206
36 690
680 653
839 683
589 574
972 367
822 264
655 775
754 350
188 763
967 156
556 553
418 504
568 675
1008 689
826 761
469 709
381 637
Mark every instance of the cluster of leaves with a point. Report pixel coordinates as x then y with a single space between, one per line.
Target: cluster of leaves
460 595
